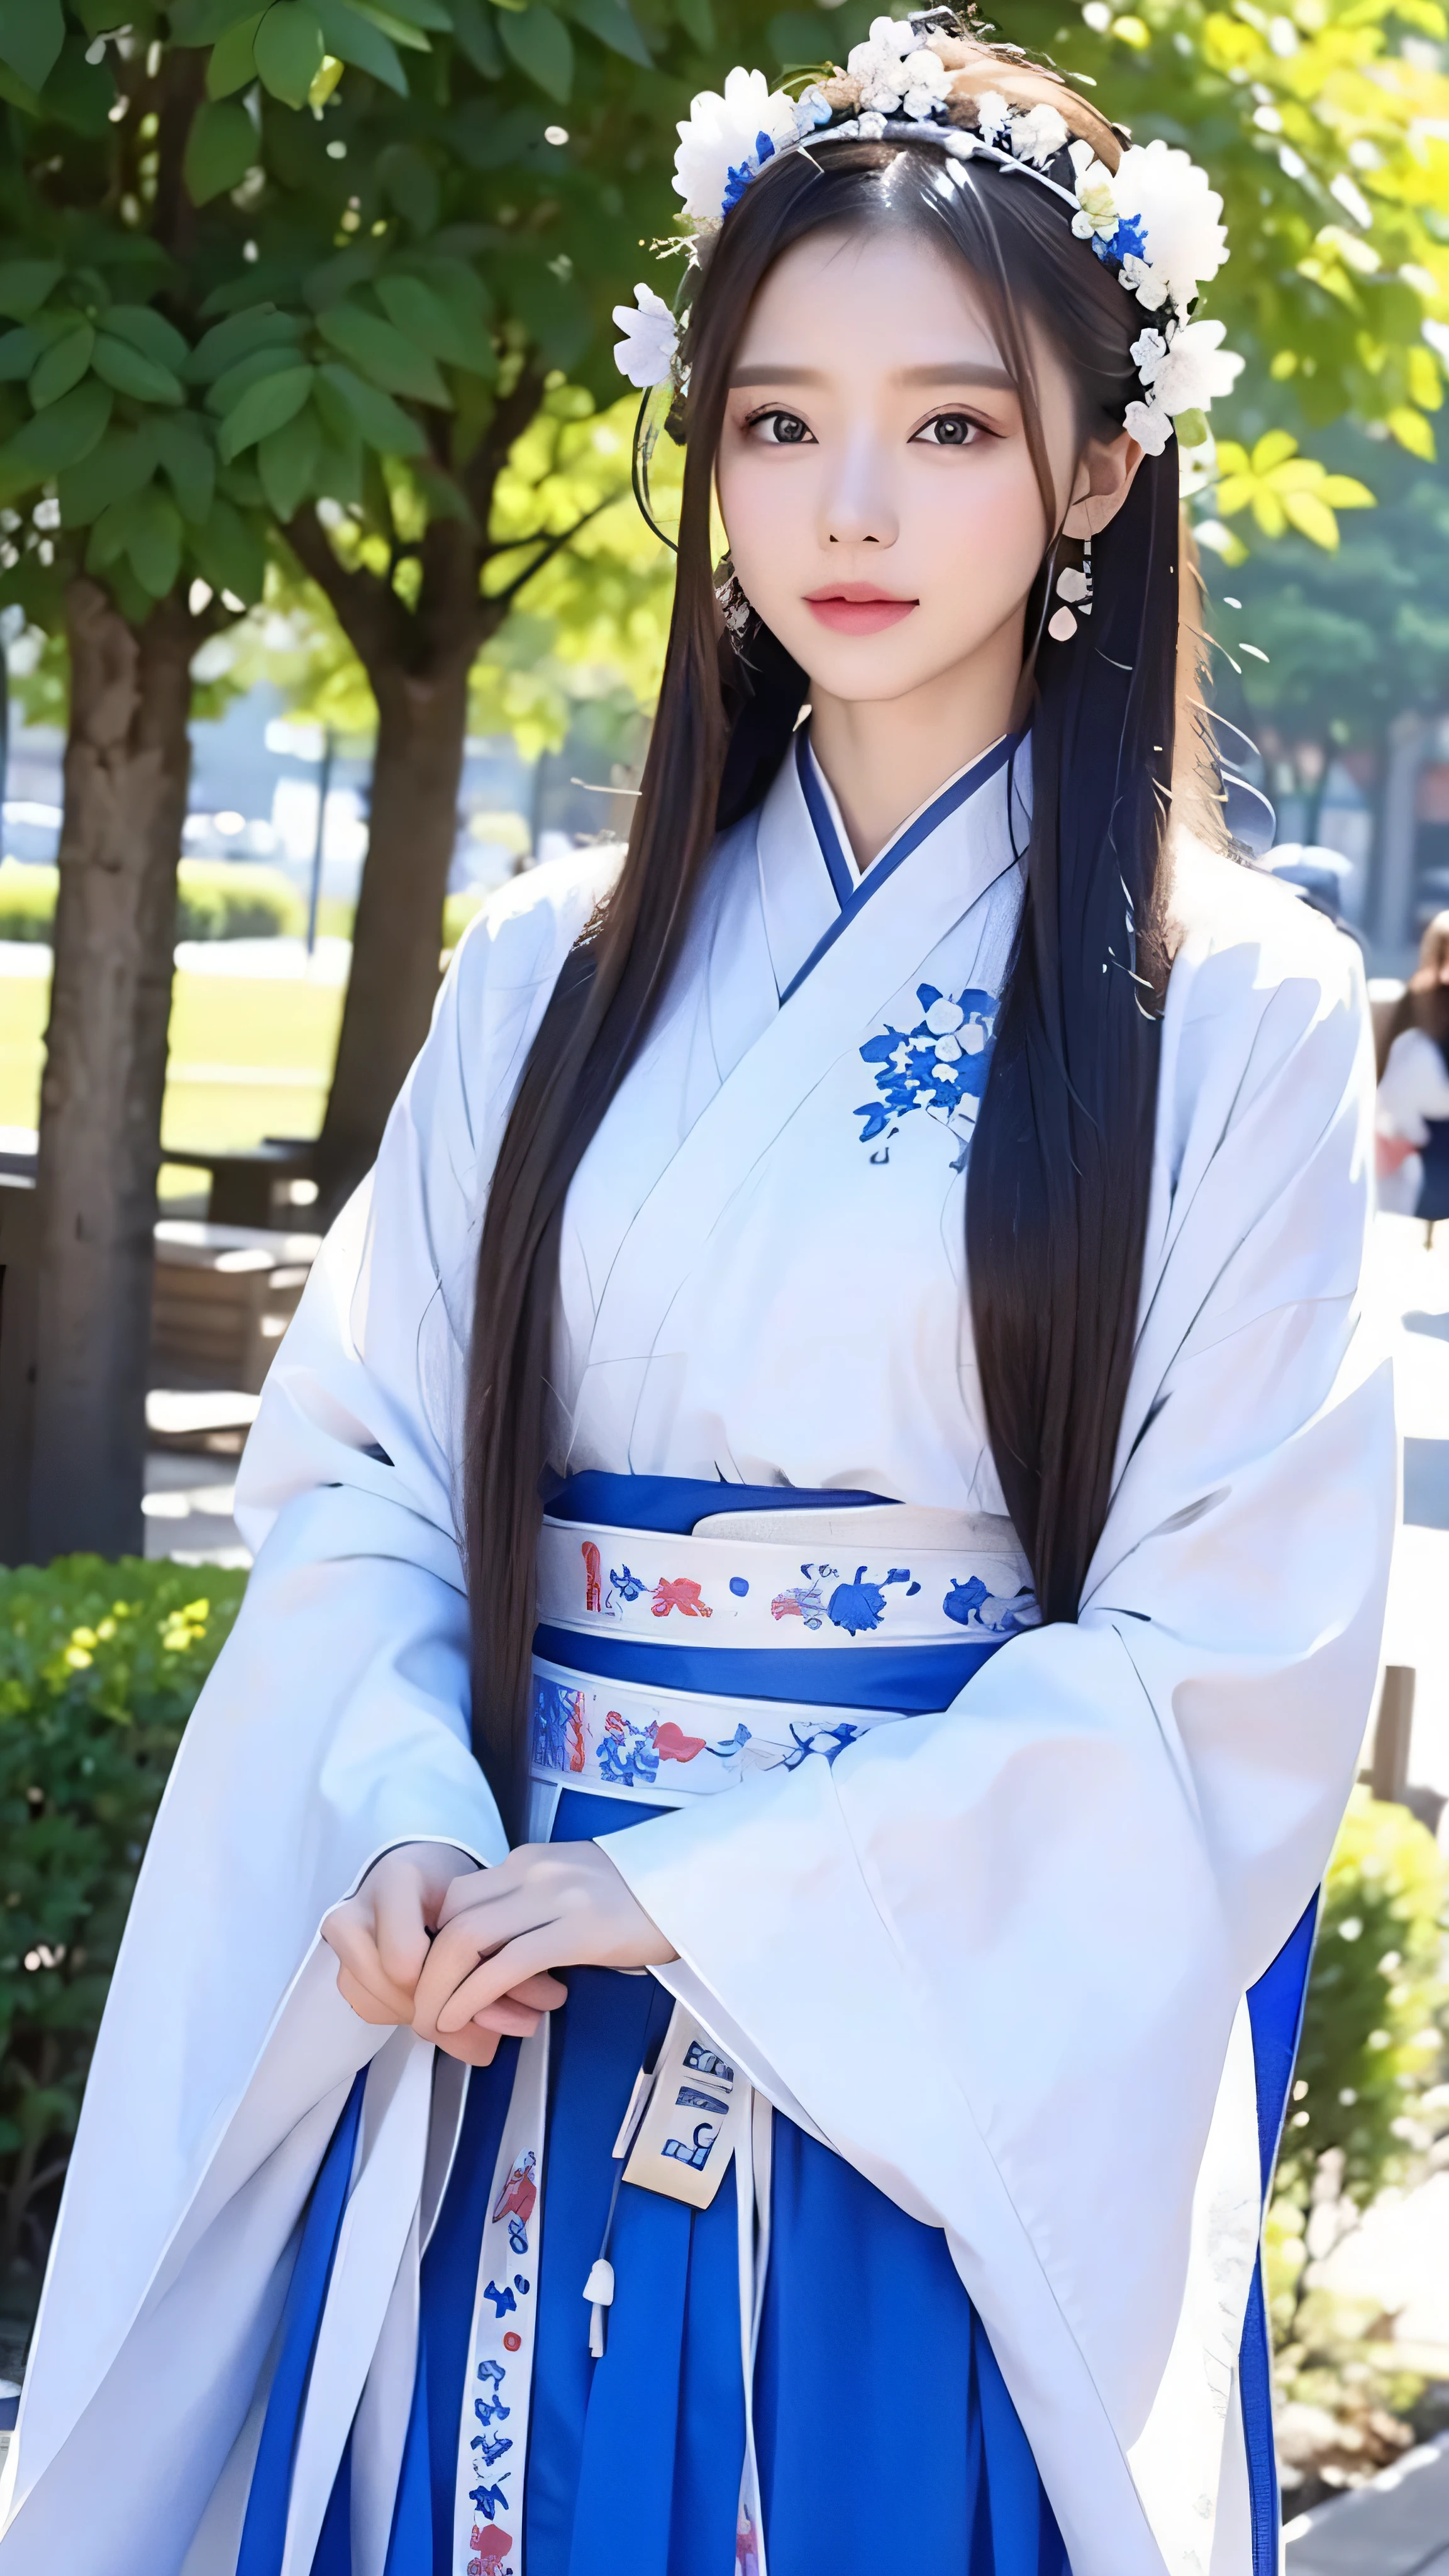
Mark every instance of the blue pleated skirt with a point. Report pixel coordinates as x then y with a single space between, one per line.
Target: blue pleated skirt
884 2431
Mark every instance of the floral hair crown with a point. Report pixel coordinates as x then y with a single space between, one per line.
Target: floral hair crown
1153 219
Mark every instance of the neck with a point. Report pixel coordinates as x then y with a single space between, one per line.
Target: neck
884 757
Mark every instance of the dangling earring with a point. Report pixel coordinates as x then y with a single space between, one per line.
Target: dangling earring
734 608
1076 588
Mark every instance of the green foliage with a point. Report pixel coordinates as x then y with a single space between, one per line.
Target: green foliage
216 899
1371 2038
1331 647
27 900
100 1666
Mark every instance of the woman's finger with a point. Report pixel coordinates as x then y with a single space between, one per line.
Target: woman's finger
470 1937
500 1972
472 2047
356 1952
510 2020
368 2006
401 1933
542 1993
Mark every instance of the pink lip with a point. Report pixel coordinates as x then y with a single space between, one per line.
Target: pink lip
858 608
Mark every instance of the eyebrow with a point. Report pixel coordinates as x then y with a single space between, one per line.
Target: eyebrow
951 371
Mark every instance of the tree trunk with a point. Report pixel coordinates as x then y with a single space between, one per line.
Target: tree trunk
127 766
397 937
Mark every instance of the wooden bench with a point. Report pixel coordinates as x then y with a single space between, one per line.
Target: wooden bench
224 1296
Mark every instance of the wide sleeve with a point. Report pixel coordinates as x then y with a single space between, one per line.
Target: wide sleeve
334 1726
999 1954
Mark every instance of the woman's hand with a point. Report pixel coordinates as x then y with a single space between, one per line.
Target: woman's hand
382 1936
549 1905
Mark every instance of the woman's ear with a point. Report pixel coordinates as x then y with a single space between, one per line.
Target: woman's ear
1103 480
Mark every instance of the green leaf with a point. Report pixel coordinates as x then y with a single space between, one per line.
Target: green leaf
220 149
150 332
397 23
383 423
411 13
460 341
264 407
231 553
63 434
289 51
348 35
18 353
155 547
233 63
542 47
412 184
614 24
124 460
63 365
287 462
25 284
696 17
473 31
118 364
190 462
31 35
261 327
383 354
332 277
228 389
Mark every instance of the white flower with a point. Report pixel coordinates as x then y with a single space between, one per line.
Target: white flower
1096 200
1039 135
929 81
812 108
1146 283
1169 197
1149 425
880 63
993 116
651 337
1195 369
1148 353
725 140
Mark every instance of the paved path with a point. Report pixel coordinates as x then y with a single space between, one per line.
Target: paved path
1399 2526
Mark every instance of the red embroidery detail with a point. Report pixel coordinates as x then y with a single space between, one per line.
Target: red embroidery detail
679 1592
672 1746
512 2342
492 2545
593 1576
518 2195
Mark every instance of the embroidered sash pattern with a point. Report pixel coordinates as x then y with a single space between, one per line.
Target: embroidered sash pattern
493 2434
728 1592
940 1066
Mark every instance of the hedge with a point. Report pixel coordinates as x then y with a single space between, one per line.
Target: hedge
216 899
100 1667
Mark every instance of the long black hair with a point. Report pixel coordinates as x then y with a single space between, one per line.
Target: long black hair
1060 1163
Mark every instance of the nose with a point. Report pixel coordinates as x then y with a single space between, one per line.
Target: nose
857 505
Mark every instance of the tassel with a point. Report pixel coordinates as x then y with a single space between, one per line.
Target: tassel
599 2290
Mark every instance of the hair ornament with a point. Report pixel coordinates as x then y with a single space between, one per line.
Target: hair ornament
1154 218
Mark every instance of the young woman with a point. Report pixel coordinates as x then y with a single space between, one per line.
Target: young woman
858 1306
1413 1095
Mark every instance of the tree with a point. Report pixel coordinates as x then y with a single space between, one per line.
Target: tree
219 321
336 251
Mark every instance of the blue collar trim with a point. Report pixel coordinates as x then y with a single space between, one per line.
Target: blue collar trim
949 802
841 874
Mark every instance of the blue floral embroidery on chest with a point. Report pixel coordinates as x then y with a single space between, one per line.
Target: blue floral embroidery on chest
940 1066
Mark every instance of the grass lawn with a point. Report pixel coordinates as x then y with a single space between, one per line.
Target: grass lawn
228 1033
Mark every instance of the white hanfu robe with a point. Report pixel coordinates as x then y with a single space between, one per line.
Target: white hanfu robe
997 1958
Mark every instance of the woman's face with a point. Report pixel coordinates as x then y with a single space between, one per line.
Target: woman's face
874 478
